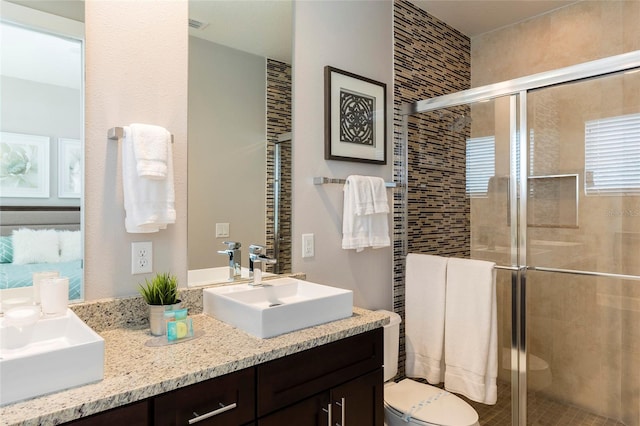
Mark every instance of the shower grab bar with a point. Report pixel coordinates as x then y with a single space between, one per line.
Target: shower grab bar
117 133
322 180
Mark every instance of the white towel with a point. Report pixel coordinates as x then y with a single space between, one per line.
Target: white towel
149 203
471 335
424 316
151 145
365 211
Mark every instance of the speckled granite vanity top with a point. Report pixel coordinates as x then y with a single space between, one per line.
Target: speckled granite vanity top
134 371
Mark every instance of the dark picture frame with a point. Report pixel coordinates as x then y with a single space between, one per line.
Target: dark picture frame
355 118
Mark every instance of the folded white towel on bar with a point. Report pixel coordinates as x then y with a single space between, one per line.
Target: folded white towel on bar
149 203
424 316
365 213
151 145
471 330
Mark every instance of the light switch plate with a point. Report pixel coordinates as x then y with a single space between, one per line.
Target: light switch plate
308 249
222 230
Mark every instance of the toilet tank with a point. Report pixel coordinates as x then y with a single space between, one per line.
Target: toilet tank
391 345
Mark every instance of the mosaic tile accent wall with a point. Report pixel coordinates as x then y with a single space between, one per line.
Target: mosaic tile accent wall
430 59
279 122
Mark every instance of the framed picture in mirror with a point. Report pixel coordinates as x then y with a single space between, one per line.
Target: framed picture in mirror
69 168
24 165
355 117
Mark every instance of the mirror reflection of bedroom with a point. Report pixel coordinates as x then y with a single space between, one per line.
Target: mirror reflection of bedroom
41 150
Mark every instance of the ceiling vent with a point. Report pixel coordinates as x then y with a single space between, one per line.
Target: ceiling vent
197 25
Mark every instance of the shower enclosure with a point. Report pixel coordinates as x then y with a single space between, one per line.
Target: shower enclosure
548 187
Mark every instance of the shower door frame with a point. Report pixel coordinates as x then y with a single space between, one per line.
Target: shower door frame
517 90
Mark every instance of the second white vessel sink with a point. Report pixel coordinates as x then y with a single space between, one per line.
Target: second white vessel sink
51 355
277 306
200 277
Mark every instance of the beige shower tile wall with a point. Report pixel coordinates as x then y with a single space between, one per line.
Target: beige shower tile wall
279 122
587 328
430 59
584 31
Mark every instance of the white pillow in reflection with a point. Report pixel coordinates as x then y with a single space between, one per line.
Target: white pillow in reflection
70 245
35 246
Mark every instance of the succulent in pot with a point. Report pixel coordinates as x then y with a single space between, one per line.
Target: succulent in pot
161 294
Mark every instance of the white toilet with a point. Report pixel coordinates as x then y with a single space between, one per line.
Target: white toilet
409 403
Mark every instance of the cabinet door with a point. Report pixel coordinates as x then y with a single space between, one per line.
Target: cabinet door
224 401
136 414
310 412
359 402
285 381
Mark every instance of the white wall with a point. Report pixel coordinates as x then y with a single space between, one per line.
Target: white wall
227 150
136 71
356 37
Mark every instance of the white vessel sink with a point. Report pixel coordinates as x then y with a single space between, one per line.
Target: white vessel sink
51 355
277 306
200 277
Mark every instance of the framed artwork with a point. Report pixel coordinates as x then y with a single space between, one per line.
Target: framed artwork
69 168
24 165
355 118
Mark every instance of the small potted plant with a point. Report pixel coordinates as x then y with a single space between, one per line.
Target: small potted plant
161 294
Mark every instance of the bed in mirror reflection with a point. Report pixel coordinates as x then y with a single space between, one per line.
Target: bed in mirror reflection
36 239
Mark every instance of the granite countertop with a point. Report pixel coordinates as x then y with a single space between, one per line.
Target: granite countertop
134 371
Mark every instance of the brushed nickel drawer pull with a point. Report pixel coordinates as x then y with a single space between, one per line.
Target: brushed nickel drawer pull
221 410
342 404
328 411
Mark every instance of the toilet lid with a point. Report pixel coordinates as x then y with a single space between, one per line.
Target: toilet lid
429 404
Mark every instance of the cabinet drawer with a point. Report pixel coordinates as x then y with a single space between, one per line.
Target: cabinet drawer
288 380
211 402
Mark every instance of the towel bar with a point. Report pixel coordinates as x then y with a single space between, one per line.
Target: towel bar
117 133
323 180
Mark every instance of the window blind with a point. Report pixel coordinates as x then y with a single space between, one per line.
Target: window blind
481 165
612 155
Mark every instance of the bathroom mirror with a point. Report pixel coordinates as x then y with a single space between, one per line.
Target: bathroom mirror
239 107
41 145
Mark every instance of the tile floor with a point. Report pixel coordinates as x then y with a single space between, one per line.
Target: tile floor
541 411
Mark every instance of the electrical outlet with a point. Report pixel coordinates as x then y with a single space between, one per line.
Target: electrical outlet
141 257
307 245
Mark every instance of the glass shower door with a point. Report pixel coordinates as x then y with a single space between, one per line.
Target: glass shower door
583 252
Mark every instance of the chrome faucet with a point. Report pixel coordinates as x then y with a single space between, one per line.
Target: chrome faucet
256 257
235 257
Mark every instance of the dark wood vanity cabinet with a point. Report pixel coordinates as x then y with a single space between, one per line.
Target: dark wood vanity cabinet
342 379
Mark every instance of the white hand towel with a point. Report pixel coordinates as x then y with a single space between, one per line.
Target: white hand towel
362 226
424 316
151 145
471 335
361 189
149 203
379 194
